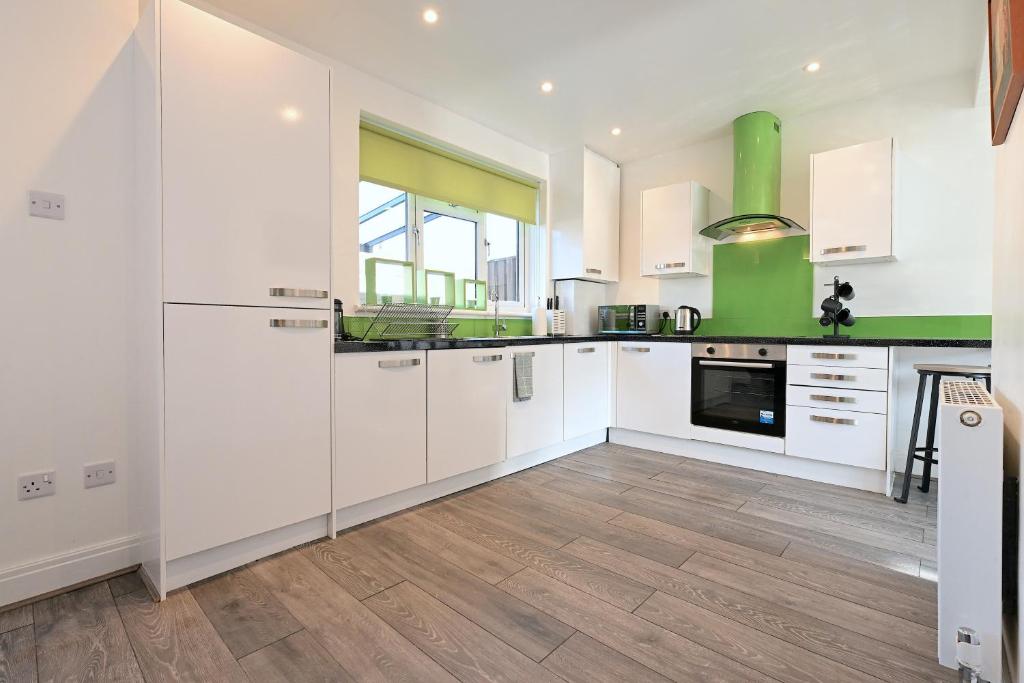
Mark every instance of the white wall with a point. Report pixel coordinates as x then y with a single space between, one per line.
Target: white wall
1008 321
67 128
943 237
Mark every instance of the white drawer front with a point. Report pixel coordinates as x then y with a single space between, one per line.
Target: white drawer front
837 399
840 356
837 376
839 436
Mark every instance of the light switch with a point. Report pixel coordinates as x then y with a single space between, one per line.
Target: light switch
46 205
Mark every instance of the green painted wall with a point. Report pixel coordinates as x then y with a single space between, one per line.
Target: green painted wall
468 327
765 288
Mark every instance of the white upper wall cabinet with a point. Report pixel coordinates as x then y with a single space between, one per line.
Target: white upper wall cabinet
852 203
246 166
584 215
672 217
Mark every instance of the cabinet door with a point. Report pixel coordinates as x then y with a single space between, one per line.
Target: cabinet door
587 388
247 422
537 422
672 217
653 385
839 436
852 203
466 390
246 176
381 418
600 218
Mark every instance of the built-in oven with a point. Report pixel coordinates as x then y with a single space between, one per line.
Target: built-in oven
739 387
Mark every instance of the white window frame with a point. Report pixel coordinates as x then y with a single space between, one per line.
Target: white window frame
415 206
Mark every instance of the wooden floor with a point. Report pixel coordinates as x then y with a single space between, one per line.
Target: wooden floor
612 564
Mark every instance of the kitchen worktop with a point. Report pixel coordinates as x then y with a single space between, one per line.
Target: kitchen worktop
493 342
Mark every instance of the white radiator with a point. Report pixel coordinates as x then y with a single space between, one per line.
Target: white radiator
970 522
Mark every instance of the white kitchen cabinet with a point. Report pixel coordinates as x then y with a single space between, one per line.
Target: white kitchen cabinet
871 379
587 388
536 423
852 203
841 436
672 218
247 422
246 167
466 394
844 356
380 412
584 216
653 388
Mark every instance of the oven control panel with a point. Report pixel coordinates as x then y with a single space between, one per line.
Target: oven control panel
774 352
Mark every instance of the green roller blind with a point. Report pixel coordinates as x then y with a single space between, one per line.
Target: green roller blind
390 159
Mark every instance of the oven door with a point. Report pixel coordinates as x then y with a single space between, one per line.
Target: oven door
739 395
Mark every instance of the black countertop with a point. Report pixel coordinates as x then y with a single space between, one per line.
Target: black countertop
490 342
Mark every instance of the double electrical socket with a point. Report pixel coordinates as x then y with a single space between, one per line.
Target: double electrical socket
37 485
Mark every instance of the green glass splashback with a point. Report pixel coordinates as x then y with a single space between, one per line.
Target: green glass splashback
468 327
766 287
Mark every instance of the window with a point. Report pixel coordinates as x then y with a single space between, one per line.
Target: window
436 235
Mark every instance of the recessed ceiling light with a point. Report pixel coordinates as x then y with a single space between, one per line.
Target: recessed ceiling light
291 114
430 15
547 86
616 131
812 67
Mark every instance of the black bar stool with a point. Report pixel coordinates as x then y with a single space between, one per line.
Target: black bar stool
936 372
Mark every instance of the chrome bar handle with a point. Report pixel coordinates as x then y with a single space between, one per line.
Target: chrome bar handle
404 363
833 399
734 364
663 266
834 378
594 271
299 293
834 356
637 349
833 420
487 359
586 349
843 250
307 324
524 354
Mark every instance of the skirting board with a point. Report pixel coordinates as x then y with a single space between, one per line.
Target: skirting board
53 573
187 570
801 468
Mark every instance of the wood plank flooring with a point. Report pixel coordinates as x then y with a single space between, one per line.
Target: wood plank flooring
611 564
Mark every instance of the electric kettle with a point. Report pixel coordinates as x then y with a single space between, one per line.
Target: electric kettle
687 320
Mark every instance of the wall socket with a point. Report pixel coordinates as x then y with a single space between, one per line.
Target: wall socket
99 474
37 485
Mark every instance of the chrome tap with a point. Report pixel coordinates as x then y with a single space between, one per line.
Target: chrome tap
499 326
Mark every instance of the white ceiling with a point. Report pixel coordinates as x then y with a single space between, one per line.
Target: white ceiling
668 72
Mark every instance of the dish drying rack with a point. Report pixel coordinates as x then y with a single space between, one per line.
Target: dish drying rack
412 321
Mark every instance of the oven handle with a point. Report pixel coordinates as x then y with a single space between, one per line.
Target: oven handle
735 364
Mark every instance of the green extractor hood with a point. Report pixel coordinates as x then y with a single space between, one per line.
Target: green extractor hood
756 177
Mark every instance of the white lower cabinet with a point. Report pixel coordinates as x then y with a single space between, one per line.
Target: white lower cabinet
587 388
536 423
247 422
653 388
841 436
466 395
381 424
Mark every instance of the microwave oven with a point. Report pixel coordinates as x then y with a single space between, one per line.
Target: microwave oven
628 319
